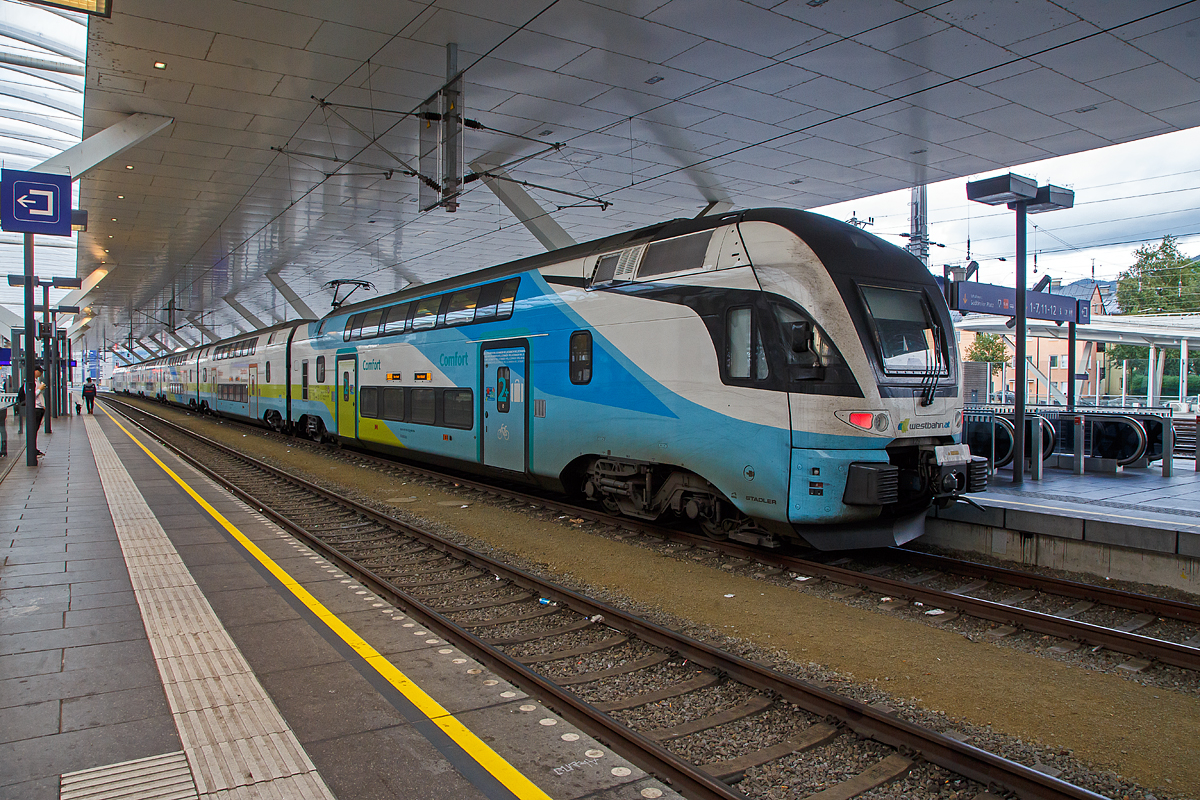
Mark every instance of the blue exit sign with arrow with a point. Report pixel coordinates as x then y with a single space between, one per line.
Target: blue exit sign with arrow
35 202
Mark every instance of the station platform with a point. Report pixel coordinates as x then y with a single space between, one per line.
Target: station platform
1134 524
158 635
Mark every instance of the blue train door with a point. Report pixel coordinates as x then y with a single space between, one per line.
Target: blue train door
504 392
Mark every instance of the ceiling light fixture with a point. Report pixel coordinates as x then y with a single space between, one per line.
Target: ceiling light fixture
120 197
129 166
546 132
160 65
655 79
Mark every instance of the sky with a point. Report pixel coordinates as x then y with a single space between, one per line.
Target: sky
1126 195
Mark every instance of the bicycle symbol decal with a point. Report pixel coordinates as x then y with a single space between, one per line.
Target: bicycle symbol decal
502 433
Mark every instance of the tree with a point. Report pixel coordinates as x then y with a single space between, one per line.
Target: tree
989 347
1161 281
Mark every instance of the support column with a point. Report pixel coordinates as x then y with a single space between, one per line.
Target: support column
243 312
524 208
1183 373
298 305
178 339
1151 373
205 331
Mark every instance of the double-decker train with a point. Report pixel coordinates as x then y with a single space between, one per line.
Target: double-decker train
771 373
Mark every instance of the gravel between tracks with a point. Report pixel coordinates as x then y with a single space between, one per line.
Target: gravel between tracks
1091 724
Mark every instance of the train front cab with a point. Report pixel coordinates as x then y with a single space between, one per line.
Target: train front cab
873 382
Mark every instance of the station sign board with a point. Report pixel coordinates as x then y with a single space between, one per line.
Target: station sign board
986 298
35 202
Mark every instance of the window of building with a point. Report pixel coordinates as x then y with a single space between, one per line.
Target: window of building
320 369
423 406
368 401
458 408
580 357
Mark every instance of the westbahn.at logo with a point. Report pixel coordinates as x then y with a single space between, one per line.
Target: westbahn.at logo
905 426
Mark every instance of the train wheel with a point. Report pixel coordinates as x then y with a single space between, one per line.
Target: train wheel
717 531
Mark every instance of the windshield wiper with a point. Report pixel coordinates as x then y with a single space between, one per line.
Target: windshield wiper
930 391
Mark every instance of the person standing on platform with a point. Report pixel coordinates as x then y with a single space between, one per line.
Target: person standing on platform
6 387
39 403
89 394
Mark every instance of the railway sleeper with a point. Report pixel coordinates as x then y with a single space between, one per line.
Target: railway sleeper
701 681
732 770
494 621
755 705
548 633
496 603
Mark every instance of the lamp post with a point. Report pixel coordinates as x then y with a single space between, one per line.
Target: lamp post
1022 195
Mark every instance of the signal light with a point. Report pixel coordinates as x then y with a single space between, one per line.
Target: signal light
862 419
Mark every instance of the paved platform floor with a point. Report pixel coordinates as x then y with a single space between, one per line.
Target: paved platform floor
1130 496
301 684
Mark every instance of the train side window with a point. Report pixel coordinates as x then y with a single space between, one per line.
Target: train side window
395 319
742 360
268 372
353 327
461 309
368 402
370 324
204 372
426 314
496 300
393 404
580 357
675 255
458 407
304 379
423 406
320 369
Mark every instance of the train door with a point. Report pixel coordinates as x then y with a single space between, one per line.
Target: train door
347 401
253 389
504 391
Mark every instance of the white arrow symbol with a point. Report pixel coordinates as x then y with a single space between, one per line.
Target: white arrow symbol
26 202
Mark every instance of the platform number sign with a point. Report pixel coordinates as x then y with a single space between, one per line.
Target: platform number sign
35 202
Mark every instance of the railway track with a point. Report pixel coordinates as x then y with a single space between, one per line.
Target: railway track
678 707
1077 615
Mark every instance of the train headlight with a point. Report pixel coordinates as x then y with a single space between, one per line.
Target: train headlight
882 422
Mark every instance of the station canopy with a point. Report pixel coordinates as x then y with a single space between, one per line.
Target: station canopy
296 154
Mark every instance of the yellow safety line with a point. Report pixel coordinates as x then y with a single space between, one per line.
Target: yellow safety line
489 759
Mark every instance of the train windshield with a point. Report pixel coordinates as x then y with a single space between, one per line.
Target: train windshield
910 341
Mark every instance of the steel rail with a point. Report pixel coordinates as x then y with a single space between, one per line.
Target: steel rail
963 759
1117 598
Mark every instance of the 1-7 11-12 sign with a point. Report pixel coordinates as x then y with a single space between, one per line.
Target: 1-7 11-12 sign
986 298
35 202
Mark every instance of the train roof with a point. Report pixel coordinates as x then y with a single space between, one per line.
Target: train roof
839 245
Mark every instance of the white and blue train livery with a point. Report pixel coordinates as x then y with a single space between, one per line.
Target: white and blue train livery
771 374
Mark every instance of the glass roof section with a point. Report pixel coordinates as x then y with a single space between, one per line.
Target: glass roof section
43 52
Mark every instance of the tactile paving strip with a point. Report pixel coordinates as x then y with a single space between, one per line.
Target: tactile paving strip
163 777
236 742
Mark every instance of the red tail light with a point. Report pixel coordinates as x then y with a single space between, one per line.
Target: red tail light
862 419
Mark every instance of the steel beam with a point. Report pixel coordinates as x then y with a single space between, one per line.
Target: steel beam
205 331
298 305
75 297
152 348
77 161
714 208
178 339
243 312
525 208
